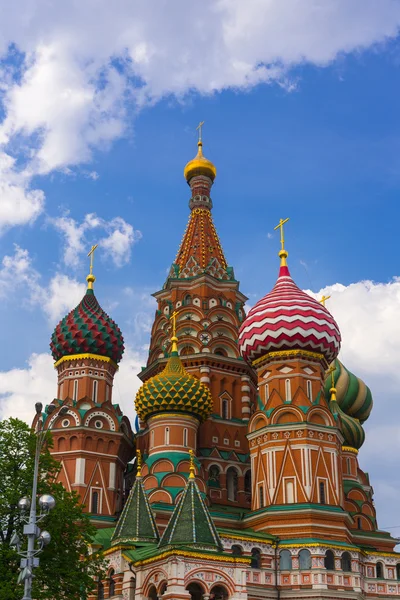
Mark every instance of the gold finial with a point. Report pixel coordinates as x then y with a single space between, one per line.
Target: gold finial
138 463
192 467
199 128
282 253
174 339
91 278
333 390
323 300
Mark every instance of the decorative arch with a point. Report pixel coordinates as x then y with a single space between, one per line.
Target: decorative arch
319 417
287 415
223 579
160 496
70 412
149 582
99 413
258 422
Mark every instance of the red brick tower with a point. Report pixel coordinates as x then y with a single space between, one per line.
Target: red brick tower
92 439
203 291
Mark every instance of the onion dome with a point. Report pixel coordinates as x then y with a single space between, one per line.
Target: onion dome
288 319
87 329
353 396
174 390
350 427
200 165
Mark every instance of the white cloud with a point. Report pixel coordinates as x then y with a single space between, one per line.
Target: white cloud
54 299
82 68
117 244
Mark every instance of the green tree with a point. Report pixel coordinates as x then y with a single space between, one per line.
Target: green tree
66 570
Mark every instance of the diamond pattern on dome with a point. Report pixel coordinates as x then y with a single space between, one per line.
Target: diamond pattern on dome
174 389
87 329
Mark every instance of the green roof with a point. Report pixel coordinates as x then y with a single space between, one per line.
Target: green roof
136 523
190 523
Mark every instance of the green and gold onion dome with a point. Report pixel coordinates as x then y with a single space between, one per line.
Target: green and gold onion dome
352 403
174 390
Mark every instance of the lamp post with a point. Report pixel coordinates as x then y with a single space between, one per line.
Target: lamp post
30 559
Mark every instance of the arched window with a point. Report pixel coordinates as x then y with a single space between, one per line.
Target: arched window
285 560
348 463
220 352
359 523
186 350
266 392
213 476
237 550
289 491
95 389
232 483
225 409
111 584
304 559
322 495
379 570
247 484
100 591
309 389
188 300
398 571
185 437
95 503
288 390
195 590
255 562
153 593
166 441
329 560
346 562
75 392
163 589
219 592
152 438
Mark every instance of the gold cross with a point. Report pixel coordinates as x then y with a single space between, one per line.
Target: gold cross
280 226
331 372
91 254
199 128
324 299
173 319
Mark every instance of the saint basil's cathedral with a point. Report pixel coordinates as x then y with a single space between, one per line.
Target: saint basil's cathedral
241 480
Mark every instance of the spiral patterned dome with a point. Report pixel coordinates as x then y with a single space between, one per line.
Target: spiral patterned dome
174 390
287 319
87 329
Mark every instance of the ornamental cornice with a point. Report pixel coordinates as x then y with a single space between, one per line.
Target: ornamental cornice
185 554
287 354
85 356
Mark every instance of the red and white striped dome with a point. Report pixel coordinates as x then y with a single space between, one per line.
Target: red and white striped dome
288 319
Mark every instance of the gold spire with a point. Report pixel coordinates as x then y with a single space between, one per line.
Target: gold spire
323 300
91 278
174 339
283 254
333 390
138 463
200 165
192 467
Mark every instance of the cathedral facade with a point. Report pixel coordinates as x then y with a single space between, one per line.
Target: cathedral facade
242 480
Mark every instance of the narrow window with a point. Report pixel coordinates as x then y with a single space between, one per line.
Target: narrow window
288 390
285 560
111 584
232 484
255 559
359 523
346 562
166 436
322 496
379 570
304 559
185 437
95 388
329 560
266 392
95 503
309 390
398 571
75 394
261 496
152 438
225 409
237 550
289 492
107 392
348 463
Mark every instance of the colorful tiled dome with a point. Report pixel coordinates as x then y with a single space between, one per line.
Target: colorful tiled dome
353 395
286 319
87 329
174 390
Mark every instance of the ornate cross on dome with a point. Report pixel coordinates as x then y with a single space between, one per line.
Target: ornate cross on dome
91 278
174 339
199 129
280 226
331 372
324 299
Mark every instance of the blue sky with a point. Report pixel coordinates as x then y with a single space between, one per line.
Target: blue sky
300 105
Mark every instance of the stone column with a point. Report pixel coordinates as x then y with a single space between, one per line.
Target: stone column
245 397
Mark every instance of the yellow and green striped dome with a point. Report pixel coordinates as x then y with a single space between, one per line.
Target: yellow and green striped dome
174 390
354 400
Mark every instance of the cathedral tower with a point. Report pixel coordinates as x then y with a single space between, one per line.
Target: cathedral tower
201 288
92 438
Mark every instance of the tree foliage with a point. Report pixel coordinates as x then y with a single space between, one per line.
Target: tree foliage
66 568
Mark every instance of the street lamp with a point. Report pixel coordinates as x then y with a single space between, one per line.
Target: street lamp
30 559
